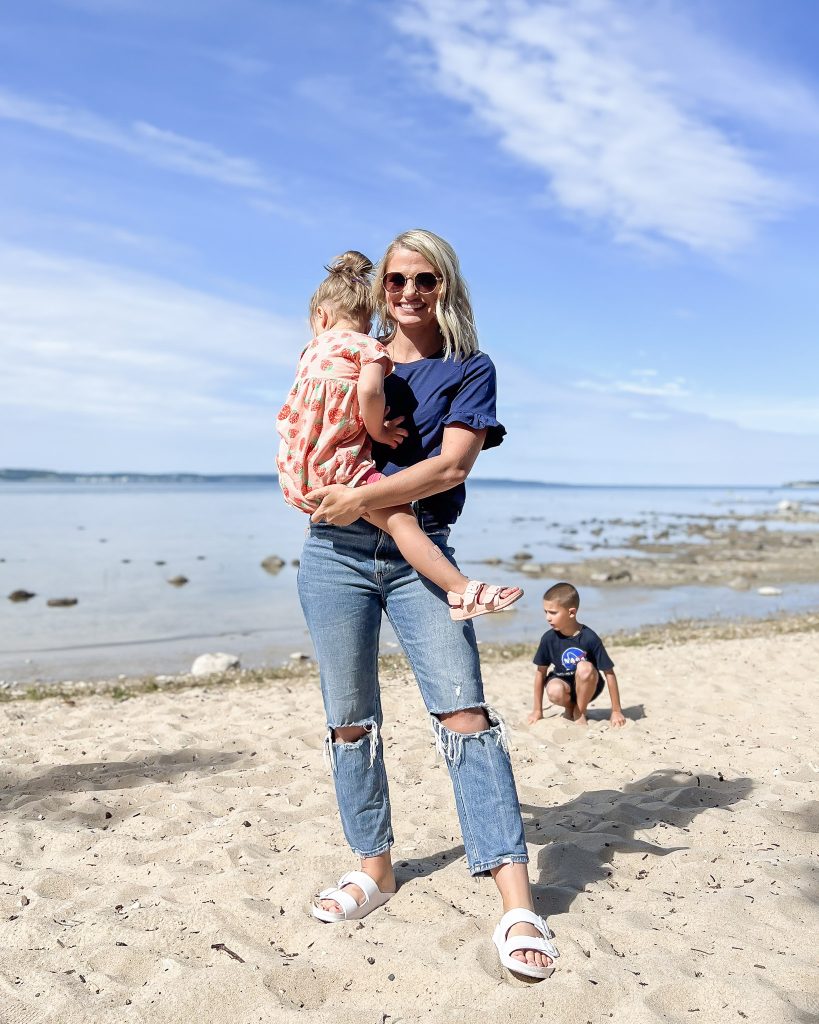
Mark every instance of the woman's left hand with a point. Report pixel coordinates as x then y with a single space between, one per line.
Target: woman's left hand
338 505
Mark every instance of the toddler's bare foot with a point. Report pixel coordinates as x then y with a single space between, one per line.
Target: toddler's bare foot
580 717
571 710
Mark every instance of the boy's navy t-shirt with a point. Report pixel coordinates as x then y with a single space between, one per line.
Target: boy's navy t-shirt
564 652
431 394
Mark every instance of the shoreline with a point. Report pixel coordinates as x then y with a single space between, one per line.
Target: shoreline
395 666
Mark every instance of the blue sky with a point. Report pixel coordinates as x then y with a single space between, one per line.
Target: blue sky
631 188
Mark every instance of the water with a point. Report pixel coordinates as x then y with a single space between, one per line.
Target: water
73 540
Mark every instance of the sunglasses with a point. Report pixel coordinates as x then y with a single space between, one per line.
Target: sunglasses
425 282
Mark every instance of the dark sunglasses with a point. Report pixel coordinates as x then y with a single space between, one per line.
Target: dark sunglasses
425 282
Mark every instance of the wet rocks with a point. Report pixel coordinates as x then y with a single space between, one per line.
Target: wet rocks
740 583
215 664
273 564
62 602
613 576
178 581
21 595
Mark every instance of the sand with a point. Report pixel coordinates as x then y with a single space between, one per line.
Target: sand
673 857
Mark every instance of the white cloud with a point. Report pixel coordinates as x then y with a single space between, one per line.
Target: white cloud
581 90
774 413
640 386
140 139
85 340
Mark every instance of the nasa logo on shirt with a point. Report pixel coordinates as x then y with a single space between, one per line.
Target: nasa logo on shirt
571 656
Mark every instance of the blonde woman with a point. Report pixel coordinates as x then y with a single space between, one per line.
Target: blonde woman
336 408
442 392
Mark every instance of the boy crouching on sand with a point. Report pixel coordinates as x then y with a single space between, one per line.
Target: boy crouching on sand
571 661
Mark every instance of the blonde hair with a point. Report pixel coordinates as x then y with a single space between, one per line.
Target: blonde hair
347 287
453 310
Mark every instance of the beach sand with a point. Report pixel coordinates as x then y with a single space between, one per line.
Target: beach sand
673 857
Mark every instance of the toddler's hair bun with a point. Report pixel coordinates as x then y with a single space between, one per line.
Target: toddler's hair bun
353 265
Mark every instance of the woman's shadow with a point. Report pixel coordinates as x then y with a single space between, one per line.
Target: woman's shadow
579 838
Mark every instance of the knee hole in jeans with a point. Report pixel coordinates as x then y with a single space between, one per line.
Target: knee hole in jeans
465 720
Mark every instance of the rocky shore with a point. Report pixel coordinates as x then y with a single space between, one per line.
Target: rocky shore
735 550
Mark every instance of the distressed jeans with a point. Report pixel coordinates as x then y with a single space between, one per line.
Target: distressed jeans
348 577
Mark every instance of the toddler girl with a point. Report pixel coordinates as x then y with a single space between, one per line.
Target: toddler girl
334 409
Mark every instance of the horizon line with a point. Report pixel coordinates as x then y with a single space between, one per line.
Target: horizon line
25 474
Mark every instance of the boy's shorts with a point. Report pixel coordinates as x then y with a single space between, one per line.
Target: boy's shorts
601 682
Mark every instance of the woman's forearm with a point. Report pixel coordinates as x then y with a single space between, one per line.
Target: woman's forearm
461 446
339 505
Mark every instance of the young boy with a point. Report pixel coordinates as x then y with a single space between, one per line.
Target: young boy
571 661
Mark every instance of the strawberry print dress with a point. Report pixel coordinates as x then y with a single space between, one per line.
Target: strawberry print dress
323 440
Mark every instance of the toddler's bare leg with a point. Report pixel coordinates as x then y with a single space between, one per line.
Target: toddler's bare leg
424 556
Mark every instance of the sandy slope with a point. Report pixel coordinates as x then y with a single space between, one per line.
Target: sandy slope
673 857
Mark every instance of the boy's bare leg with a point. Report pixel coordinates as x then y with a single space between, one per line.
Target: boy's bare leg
585 681
559 693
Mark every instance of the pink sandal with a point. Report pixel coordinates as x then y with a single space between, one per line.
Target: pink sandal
480 599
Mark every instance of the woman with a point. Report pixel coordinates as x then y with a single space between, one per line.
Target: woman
442 393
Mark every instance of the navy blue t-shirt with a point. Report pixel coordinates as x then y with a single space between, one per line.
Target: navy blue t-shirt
564 652
431 394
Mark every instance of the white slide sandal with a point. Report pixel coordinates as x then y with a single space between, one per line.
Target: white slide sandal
506 946
350 910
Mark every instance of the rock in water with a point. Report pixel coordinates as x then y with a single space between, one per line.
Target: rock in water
213 664
62 602
273 564
178 581
21 595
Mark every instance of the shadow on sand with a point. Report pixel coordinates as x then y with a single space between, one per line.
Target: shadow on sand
92 777
579 838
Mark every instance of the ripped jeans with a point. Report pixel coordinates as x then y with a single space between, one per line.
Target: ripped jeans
348 577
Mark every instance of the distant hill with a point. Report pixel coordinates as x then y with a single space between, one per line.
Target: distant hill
49 475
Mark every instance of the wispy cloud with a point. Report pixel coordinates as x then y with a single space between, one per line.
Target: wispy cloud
82 339
139 139
580 90
642 382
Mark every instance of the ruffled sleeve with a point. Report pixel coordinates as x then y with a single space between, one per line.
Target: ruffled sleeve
474 403
372 351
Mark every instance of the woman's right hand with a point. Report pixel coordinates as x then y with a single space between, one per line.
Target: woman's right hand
338 505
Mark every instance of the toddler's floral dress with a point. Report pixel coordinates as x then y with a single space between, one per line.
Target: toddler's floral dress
323 440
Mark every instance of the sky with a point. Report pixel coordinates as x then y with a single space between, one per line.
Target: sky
631 187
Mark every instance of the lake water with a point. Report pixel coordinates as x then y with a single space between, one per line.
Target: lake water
101 543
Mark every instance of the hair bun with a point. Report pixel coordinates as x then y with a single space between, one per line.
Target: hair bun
351 264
